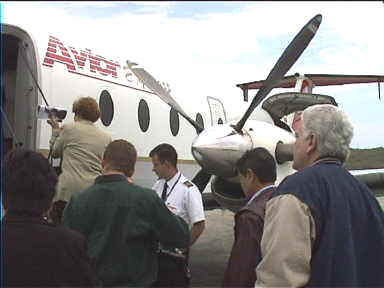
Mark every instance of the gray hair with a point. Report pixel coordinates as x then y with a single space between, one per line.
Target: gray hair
332 129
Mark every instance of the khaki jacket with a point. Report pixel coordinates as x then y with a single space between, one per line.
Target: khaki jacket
81 145
286 259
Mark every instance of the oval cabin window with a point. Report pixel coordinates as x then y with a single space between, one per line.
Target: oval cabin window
174 122
106 108
199 120
143 114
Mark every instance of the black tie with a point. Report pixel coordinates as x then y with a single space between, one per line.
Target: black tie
164 194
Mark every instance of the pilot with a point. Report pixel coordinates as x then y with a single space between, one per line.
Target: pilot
183 198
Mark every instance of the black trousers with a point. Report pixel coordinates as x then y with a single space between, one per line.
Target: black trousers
172 271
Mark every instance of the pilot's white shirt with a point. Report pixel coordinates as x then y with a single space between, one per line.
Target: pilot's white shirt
183 198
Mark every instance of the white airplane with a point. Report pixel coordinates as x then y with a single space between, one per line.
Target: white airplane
49 73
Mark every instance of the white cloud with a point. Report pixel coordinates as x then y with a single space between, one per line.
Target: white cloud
152 3
210 53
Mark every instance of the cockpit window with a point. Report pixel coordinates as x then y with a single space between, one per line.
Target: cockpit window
200 120
106 108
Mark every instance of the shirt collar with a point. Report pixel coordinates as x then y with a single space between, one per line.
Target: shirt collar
259 192
173 180
110 178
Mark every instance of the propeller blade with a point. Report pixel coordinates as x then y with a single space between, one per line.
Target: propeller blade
201 179
285 62
163 93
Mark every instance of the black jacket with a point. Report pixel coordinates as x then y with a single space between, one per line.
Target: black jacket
37 253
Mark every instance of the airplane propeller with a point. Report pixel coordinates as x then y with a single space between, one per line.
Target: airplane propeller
285 62
162 92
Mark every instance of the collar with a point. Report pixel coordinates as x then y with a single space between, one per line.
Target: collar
173 180
327 160
24 213
110 178
84 121
259 192
24 216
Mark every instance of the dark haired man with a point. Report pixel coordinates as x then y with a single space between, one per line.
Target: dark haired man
37 253
257 175
123 222
183 198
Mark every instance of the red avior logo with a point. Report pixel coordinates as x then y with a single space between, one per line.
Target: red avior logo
57 52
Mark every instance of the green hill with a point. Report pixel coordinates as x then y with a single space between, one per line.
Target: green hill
366 159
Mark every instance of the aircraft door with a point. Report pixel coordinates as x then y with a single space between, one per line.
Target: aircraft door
217 111
25 99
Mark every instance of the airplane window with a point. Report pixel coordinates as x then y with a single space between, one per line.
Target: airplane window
174 121
200 120
220 121
106 108
143 114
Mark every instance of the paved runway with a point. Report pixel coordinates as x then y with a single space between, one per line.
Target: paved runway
209 255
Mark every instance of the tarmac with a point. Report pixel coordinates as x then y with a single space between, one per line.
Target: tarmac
209 255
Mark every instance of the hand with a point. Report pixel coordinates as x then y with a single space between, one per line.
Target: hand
54 124
173 209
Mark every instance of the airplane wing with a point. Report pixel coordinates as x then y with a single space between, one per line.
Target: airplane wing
318 80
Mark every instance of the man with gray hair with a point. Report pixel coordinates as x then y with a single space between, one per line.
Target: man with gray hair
322 226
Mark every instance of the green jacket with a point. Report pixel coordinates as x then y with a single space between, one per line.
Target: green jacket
123 224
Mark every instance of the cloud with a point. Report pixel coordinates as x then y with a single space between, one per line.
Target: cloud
85 4
211 52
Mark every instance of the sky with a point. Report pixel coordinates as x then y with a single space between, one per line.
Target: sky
206 48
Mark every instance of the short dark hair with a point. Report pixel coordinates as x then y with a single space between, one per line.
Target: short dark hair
165 152
121 156
261 162
30 181
87 108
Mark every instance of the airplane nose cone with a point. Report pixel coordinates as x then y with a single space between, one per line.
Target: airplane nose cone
217 149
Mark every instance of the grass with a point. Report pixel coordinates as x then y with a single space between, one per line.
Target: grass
366 159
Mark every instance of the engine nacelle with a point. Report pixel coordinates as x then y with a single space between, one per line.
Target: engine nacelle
269 136
228 194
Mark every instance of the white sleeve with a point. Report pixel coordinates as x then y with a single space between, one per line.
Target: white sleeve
195 206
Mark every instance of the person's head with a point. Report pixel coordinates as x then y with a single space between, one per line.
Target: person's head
256 169
164 160
120 155
86 108
324 131
30 182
